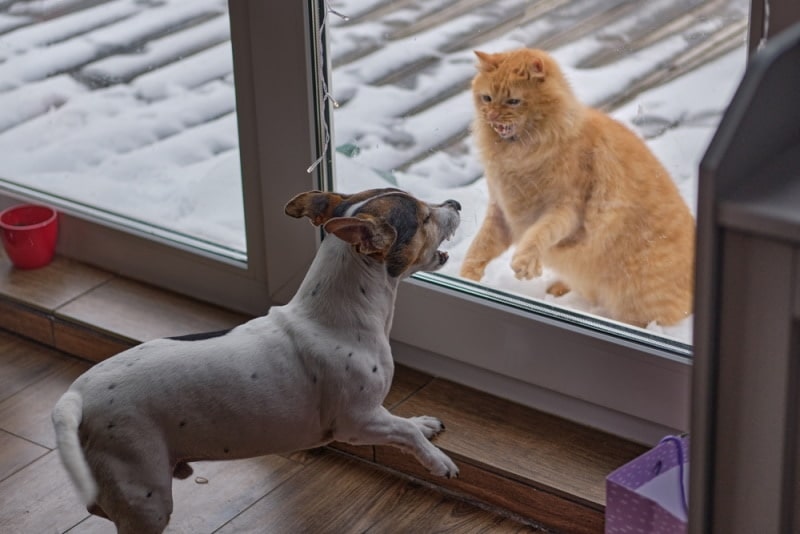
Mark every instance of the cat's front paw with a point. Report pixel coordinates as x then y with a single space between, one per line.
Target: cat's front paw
526 265
472 271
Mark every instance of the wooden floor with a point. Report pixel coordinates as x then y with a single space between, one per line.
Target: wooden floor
309 492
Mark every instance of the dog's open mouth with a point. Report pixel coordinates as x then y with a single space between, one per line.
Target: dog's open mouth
441 255
448 221
450 231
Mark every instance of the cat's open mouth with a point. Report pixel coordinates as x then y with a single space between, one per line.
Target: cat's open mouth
505 131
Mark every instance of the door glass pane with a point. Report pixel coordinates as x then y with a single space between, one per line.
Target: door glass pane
125 108
666 69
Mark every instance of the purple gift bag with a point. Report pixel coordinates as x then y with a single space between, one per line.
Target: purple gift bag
649 494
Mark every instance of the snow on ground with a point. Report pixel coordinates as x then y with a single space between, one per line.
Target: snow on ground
159 143
150 149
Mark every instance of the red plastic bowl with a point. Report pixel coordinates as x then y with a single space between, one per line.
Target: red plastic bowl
29 233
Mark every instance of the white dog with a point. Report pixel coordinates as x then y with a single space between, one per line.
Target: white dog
308 373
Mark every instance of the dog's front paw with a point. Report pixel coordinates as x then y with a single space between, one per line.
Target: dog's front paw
430 426
526 265
443 466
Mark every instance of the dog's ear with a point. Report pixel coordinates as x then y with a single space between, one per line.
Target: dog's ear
370 236
316 205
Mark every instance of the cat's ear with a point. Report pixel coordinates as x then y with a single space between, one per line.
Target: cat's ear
536 68
486 62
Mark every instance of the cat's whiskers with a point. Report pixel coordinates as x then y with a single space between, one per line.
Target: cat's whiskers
530 136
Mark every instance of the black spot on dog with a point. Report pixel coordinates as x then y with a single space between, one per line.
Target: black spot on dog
111 425
315 290
182 424
112 386
200 336
129 364
314 379
111 401
226 450
350 355
374 368
361 388
254 376
338 347
149 494
347 367
363 291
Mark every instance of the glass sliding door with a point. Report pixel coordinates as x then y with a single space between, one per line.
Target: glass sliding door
401 74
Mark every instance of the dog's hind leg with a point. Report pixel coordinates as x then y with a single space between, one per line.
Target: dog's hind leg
380 427
142 508
136 490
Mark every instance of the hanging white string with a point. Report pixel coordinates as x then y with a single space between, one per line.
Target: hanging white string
326 95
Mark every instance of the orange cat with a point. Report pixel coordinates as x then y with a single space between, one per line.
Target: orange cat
578 192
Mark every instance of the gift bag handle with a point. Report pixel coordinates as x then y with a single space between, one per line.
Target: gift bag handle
679 446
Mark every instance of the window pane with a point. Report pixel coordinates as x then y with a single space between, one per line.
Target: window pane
401 77
126 109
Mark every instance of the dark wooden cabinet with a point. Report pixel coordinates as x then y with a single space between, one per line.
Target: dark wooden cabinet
745 457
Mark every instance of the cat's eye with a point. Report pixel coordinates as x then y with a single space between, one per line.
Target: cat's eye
486 98
513 102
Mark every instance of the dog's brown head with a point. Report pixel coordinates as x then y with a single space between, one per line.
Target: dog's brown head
388 225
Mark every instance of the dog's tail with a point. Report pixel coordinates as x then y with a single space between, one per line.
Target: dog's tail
67 415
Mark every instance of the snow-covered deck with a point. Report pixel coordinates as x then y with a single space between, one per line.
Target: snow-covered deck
614 50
